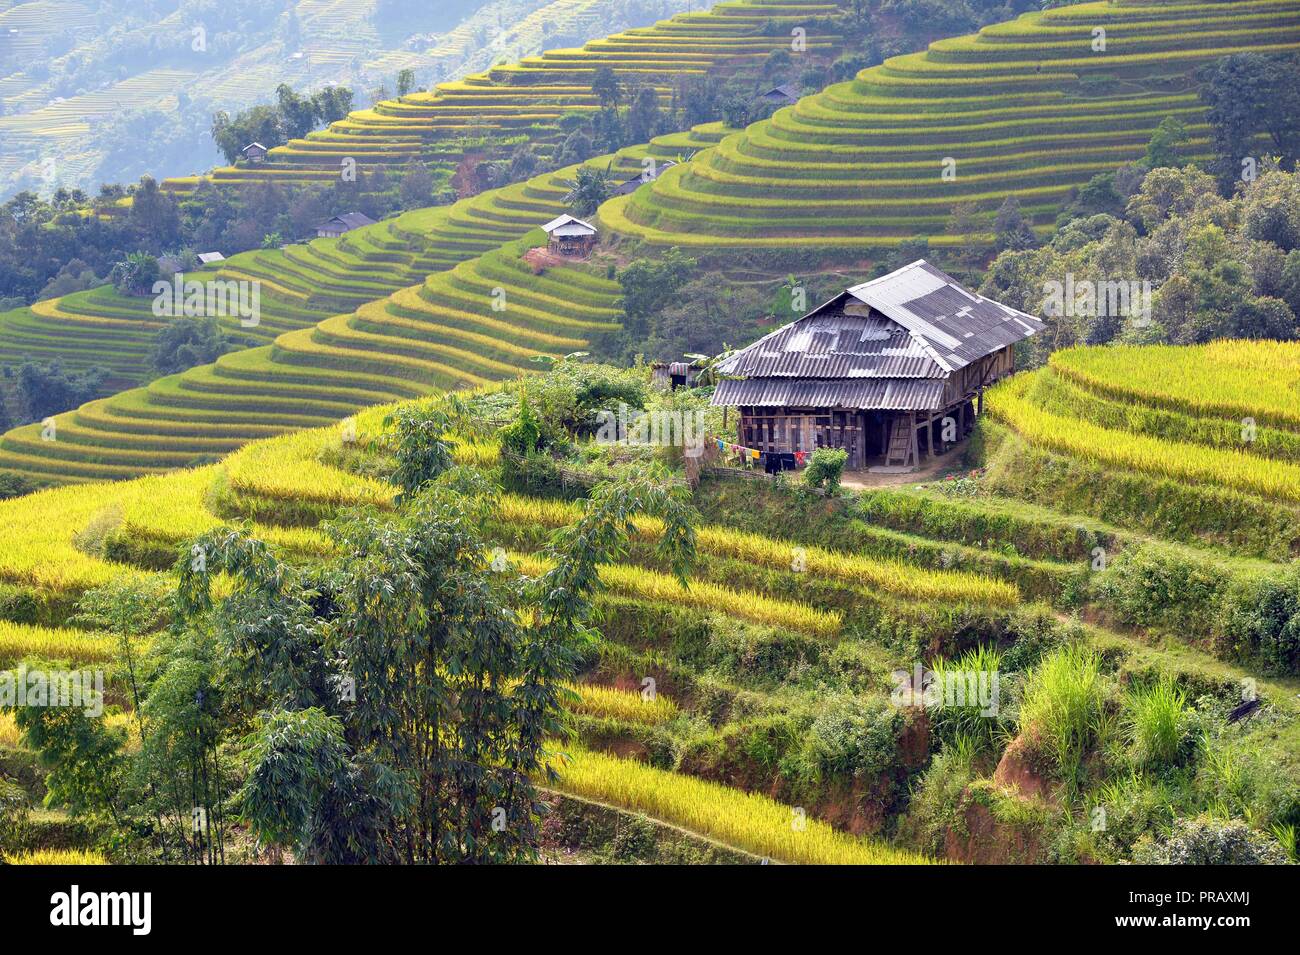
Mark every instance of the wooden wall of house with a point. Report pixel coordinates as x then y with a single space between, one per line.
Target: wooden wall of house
979 374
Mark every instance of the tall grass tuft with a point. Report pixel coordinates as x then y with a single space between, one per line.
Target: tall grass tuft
1286 837
1064 703
1155 722
966 723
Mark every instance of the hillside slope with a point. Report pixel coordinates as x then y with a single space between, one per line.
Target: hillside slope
304 284
524 101
1030 108
336 343
948 570
486 318
75 102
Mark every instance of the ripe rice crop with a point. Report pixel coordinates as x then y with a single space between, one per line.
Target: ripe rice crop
9 734
888 576
1179 461
652 585
626 705
747 821
57 857
18 640
1236 379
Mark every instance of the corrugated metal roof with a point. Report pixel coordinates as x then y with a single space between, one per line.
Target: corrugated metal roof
832 344
916 322
886 394
350 220
954 325
571 225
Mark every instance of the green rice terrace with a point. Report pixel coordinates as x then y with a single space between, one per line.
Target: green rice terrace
68 69
342 325
346 322
773 730
524 101
1029 108
391 525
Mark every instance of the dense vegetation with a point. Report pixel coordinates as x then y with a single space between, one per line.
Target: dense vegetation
768 676
635 626
1214 267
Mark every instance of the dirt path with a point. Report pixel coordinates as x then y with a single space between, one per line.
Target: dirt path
949 461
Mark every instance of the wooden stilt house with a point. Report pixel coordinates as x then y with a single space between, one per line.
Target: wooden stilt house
891 370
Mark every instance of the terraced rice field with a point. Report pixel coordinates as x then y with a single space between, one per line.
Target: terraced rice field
1026 108
528 97
1155 411
271 481
346 323
946 564
336 41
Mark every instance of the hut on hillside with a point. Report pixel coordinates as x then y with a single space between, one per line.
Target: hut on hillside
784 95
674 374
208 258
889 370
570 236
254 152
335 226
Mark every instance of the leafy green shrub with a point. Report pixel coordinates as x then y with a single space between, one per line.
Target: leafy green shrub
14 812
936 802
851 738
1131 807
421 448
825 468
185 342
14 485
1205 841
634 839
1261 620
1149 586
522 436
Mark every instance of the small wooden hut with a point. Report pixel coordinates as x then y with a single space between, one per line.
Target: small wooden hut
335 226
570 236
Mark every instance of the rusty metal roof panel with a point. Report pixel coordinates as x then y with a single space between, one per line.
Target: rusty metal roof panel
834 344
